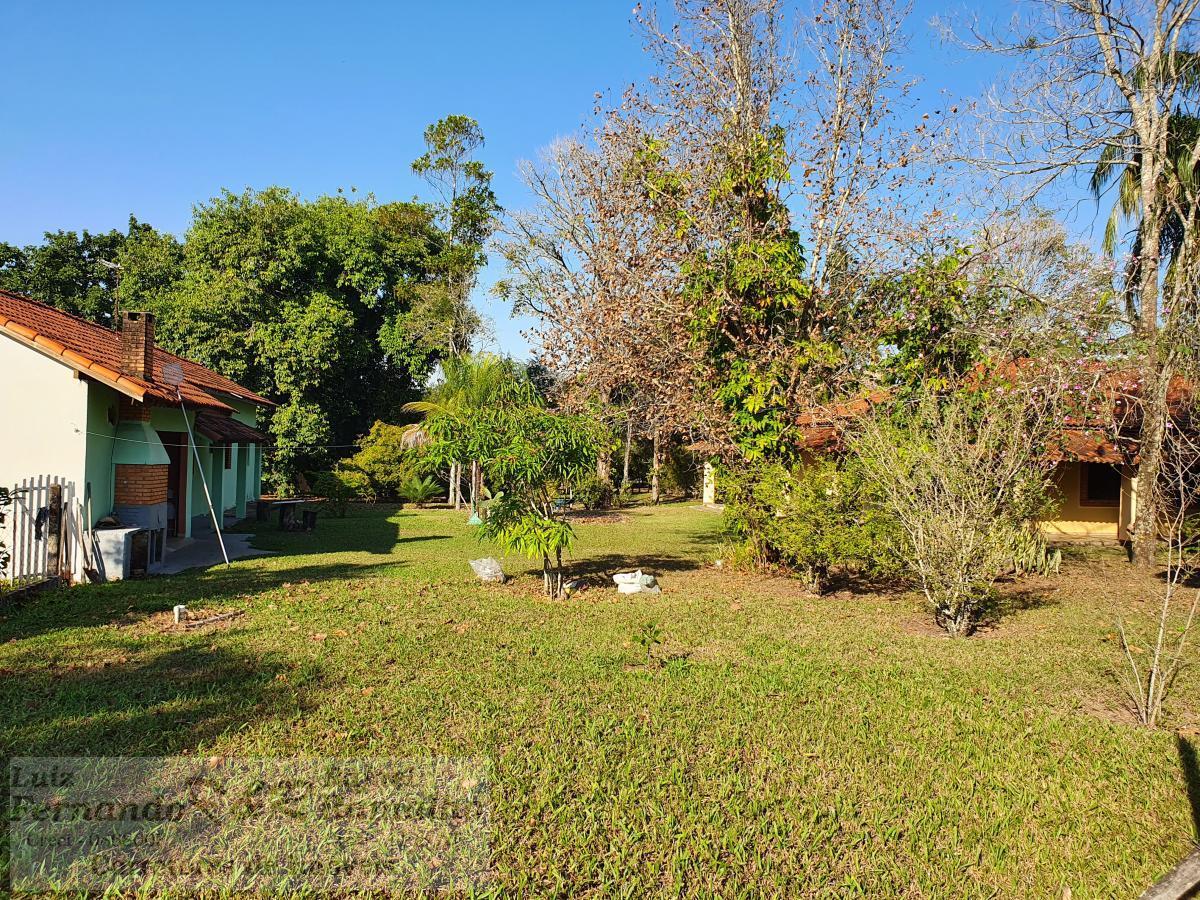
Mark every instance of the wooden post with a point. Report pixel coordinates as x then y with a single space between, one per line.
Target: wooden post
1179 882
54 532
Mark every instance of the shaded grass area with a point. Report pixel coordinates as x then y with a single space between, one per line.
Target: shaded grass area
780 743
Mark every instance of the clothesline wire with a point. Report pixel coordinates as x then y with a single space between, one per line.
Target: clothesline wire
264 444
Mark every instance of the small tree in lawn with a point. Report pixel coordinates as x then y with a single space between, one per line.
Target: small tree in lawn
527 452
1160 638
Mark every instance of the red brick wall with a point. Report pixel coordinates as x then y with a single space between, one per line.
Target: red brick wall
132 411
137 344
141 485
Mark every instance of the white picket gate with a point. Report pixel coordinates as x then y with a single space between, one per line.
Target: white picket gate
27 531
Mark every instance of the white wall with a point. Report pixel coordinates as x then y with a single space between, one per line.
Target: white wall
43 416
43 428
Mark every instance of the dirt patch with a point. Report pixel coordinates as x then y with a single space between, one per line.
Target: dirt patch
197 621
590 517
1108 711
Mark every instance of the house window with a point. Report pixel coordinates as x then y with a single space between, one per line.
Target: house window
1099 485
229 456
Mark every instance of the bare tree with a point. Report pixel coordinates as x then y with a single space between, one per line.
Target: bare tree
865 178
1100 82
661 252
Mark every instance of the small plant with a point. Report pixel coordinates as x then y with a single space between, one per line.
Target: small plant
419 490
1031 555
1160 640
594 493
648 637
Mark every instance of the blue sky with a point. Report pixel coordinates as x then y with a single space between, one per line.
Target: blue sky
148 108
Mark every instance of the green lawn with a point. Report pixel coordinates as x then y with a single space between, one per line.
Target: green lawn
780 743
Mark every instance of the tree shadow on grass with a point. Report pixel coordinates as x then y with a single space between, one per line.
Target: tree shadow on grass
377 535
1010 599
844 581
166 702
605 565
1191 776
370 531
90 606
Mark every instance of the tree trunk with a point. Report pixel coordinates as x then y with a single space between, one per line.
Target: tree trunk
628 447
604 466
1144 531
473 480
476 487
656 464
454 486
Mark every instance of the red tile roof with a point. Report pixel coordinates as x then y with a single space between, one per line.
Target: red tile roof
95 351
227 430
1106 432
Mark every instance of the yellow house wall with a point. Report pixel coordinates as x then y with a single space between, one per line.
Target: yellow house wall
1073 521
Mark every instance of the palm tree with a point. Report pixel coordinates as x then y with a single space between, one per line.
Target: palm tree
469 384
1119 165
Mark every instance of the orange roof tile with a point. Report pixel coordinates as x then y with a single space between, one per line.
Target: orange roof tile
95 351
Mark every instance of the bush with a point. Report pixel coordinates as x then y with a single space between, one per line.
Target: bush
339 486
385 459
962 479
811 518
419 490
594 493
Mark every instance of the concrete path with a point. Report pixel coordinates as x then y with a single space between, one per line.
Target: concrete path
204 552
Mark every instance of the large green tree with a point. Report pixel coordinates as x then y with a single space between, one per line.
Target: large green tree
83 272
305 302
467 213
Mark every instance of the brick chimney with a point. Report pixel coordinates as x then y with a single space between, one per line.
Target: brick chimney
137 345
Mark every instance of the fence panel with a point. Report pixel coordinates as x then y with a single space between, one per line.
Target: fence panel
28 530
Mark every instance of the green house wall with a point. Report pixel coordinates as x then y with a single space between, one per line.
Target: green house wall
233 488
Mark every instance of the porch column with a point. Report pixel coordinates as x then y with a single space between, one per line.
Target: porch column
241 459
195 489
710 483
1128 510
216 481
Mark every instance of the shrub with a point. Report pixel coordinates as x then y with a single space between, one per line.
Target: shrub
810 518
419 490
385 458
962 479
527 452
339 486
594 493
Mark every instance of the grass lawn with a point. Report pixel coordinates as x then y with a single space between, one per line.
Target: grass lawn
779 744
